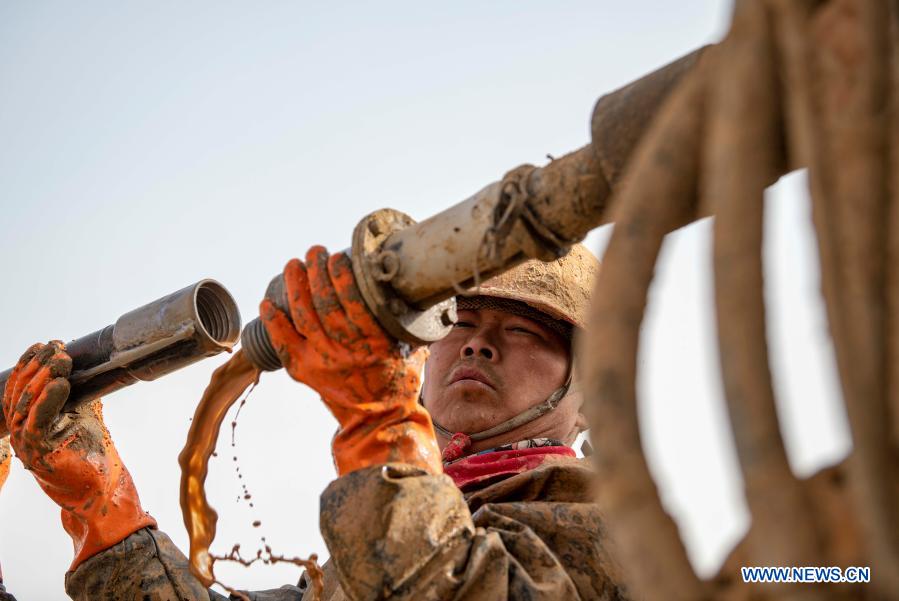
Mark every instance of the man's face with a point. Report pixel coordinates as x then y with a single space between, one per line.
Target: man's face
492 366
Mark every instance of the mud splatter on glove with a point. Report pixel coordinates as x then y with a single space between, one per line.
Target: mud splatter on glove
332 343
70 454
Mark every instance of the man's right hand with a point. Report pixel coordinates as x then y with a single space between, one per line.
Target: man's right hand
333 343
70 454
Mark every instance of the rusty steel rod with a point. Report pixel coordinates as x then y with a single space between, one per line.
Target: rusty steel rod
657 195
852 38
826 106
740 154
892 275
619 118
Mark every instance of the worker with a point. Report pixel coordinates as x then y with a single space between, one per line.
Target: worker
487 502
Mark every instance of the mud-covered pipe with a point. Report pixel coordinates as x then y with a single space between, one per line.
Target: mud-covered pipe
534 212
172 332
563 200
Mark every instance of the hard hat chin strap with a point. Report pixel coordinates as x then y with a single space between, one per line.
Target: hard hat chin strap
460 441
526 416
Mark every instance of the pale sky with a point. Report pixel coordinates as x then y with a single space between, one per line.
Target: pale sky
148 145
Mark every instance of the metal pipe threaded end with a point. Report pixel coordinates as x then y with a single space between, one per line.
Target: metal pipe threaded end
258 346
217 312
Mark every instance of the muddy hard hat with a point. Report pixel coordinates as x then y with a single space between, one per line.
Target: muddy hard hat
560 289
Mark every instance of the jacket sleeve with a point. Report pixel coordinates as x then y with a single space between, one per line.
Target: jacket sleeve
146 565
396 532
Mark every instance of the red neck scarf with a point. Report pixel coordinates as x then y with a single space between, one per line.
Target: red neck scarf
502 462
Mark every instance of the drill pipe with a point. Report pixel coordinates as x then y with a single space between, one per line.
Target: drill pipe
533 212
163 336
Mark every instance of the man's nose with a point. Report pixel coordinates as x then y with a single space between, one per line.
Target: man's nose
481 345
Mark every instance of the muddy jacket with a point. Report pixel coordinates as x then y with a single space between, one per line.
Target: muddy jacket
395 532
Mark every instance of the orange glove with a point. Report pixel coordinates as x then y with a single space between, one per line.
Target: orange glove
70 454
5 458
336 346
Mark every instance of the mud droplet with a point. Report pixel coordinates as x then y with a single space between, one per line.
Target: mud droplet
256 524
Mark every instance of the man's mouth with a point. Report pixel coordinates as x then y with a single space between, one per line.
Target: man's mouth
468 373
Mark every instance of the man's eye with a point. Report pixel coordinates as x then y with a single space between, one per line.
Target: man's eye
522 330
463 324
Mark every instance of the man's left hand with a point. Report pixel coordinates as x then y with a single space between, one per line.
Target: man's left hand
70 454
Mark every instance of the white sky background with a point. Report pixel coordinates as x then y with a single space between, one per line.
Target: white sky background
145 147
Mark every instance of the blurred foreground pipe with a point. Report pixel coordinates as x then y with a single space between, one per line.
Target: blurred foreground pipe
409 273
172 332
